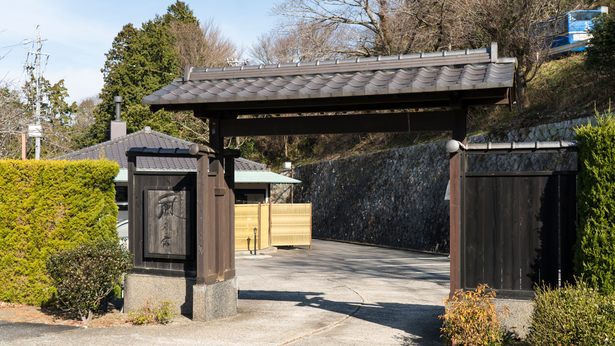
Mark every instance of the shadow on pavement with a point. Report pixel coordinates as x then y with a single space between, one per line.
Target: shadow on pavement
22 330
421 321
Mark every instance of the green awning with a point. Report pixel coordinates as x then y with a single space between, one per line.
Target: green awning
240 177
122 176
263 177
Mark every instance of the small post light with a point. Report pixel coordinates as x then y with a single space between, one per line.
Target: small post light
255 240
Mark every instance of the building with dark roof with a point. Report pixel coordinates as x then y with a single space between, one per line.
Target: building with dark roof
252 179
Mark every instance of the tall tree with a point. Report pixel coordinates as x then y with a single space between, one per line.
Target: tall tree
140 62
57 116
201 46
510 24
373 27
13 121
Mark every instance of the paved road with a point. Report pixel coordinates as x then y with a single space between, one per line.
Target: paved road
335 294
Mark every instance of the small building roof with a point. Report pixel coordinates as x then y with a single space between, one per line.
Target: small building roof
115 150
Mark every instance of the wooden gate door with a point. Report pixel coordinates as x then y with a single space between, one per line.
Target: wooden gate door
518 230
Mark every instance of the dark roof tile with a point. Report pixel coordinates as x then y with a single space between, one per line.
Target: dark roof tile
115 150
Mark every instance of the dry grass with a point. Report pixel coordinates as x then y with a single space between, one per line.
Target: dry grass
13 312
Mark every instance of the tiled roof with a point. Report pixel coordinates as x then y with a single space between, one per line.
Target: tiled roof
115 150
411 73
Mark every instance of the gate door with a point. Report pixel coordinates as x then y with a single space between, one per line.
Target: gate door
518 228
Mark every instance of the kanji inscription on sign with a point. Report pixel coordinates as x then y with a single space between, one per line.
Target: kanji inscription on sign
167 223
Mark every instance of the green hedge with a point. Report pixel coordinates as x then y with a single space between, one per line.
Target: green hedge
595 247
572 315
49 206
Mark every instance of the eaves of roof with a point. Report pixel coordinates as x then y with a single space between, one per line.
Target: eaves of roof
412 73
240 177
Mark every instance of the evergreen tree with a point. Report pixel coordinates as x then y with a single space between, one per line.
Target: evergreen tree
140 62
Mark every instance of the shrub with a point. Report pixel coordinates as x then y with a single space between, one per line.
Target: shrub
601 52
163 313
572 316
49 206
83 276
471 318
595 248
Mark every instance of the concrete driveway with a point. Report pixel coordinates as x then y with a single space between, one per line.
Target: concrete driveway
335 294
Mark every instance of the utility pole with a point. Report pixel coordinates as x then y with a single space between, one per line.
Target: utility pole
29 67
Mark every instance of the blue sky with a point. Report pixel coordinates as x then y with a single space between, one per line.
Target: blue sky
79 33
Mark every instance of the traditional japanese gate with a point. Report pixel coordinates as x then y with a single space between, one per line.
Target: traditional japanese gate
242 101
517 229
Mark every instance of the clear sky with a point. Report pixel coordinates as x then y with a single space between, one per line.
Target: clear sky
80 32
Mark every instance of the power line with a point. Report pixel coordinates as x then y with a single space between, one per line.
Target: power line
11 46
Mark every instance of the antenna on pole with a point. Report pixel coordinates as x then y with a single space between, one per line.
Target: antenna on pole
35 130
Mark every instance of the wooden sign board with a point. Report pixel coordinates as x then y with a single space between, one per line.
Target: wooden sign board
168 223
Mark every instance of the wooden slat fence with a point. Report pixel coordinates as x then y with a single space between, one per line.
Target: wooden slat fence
291 224
280 225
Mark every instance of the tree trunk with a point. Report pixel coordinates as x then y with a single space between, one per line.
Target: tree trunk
86 317
523 103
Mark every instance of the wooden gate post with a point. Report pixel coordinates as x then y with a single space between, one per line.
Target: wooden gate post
215 292
456 203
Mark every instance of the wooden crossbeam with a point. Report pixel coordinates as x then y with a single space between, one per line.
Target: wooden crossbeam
388 122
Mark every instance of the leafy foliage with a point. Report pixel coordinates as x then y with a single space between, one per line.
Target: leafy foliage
601 53
471 318
141 61
49 206
161 313
56 117
12 121
595 247
572 315
83 276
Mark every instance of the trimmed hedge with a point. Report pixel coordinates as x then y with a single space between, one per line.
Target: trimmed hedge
49 206
595 247
572 315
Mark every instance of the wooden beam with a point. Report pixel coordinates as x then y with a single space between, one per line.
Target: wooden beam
457 185
392 122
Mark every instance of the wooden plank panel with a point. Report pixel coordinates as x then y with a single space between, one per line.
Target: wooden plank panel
549 243
168 217
202 208
291 224
518 223
505 224
457 205
471 234
138 220
457 232
490 213
568 216
530 239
